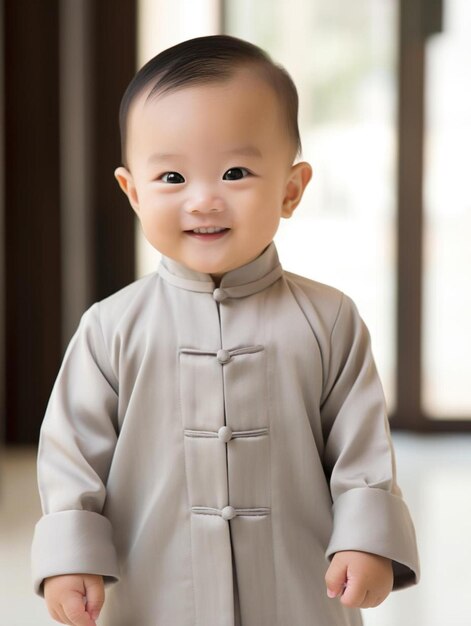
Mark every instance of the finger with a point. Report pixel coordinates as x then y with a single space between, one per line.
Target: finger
63 618
336 578
354 594
57 615
95 591
372 600
74 610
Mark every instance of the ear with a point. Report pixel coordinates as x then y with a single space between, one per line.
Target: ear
299 177
126 182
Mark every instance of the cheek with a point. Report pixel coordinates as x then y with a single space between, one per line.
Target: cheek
262 223
261 193
266 204
155 220
157 207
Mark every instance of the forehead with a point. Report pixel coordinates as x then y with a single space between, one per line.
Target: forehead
241 109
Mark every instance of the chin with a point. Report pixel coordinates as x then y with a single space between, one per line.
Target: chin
206 266
213 271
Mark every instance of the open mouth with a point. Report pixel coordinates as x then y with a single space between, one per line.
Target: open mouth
212 232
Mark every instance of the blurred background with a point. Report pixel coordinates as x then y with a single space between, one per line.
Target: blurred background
385 118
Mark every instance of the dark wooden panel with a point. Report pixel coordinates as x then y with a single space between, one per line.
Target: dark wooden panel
32 227
113 44
410 176
32 192
418 20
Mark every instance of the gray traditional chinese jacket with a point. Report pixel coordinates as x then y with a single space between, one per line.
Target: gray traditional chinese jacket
208 449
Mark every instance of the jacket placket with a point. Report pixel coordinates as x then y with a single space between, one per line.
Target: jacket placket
227 455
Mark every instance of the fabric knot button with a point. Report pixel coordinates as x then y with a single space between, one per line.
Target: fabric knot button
228 513
225 434
219 295
223 356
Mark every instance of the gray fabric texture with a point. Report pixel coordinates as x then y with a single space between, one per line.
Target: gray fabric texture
209 449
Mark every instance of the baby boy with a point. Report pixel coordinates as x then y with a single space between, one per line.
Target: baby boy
216 448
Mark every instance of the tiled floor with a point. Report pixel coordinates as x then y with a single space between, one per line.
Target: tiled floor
435 476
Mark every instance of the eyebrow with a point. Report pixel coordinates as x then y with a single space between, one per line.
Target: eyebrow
248 150
161 156
245 151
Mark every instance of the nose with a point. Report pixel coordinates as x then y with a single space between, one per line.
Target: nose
204 203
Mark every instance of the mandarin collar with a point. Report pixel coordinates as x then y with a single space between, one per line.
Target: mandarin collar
237 283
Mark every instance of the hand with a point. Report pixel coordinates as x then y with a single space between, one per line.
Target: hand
75 599
363 580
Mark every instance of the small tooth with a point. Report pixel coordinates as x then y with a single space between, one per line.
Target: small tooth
210 229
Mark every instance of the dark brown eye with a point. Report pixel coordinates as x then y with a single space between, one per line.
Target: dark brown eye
236 173
172 177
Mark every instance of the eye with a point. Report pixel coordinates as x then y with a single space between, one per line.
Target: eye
236 173
173 178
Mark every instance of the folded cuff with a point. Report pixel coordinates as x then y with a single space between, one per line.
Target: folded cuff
73 542
376 521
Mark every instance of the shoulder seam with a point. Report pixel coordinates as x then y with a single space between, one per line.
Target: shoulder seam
102 335
337 317
342 300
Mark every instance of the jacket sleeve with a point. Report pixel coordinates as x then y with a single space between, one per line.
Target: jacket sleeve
77 441
369 513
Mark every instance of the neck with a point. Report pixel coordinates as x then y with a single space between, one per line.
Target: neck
216 279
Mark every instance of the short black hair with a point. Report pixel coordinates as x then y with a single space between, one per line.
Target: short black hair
206 60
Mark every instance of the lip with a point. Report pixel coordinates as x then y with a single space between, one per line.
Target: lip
207 236
205 226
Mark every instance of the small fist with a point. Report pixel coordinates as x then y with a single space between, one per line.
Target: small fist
362 580
75 599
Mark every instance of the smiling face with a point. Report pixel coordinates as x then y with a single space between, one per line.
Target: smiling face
213 156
